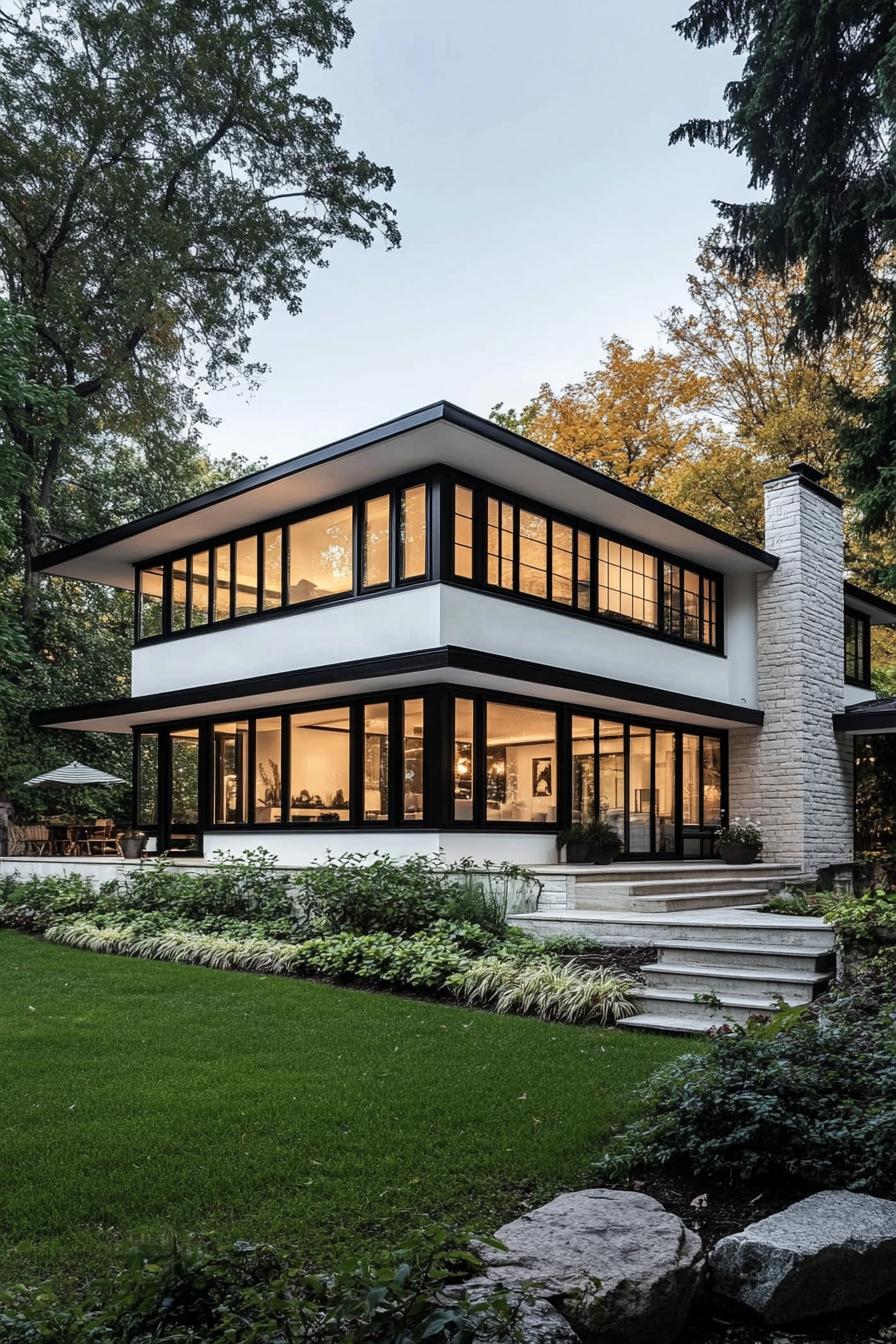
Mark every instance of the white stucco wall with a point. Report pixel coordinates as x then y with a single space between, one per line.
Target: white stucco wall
437 615
308 846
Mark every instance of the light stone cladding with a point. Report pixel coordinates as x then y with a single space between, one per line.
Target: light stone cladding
795 775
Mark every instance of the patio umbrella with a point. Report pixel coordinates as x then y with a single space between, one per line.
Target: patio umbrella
76 773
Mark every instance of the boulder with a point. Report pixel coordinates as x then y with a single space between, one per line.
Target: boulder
614 1263
833 1250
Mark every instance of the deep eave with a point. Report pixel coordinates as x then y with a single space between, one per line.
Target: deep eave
880 610
230 697
868 716
61 560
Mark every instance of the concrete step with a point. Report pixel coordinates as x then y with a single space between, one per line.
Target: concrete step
668 886
681 1003
701 900
680 1026
674 870
734 926
809 960
741 981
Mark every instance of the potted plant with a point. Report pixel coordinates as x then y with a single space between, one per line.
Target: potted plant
590 842
740 841
132 843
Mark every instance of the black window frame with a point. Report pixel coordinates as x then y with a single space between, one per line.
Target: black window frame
483 490
356 499
859 646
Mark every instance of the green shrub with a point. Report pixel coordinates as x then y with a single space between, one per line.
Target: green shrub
867 916
486 893
362 894
39 901
183 1294
810 1100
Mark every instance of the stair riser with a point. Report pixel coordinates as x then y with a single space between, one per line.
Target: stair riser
670 1008
621 890
723 900
635 931
686 872
805 963
732 984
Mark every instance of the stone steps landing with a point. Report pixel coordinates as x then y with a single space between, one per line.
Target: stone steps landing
671 887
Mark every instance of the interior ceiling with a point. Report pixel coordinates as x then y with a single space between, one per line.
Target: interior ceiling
355 468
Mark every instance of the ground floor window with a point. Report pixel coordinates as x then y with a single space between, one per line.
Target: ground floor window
439 756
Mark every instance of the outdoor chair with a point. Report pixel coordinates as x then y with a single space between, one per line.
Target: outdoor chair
29 840
101 838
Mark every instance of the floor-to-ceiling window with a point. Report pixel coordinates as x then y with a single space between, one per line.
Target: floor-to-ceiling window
319 755
521 763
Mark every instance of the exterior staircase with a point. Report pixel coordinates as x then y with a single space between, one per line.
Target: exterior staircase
718 958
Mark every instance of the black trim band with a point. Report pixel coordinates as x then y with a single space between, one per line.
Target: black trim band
423 660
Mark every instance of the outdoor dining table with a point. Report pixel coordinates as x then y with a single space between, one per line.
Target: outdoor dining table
69 837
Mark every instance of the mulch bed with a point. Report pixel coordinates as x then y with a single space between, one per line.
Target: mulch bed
716 1213
629 957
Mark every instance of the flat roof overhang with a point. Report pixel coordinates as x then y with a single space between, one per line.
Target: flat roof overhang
438 434
871 717
449 663
879 610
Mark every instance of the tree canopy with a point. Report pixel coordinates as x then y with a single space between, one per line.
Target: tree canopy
165 179
813 113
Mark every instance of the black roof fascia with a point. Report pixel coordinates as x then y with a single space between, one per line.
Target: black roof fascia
440 410
852 590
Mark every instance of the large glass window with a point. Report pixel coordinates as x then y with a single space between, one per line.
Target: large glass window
463 532
611 774
246 587
199 589
319 765
375 562
521 763
184 817
268 801
464 756
561 563
412 533
150 600
640 791
376 762
855 645
272 550
412 770
230 773
148 779
583 571
583 775
178 595
500 544
533 554
222 583
690 605
690 779
321 556
665 792
712 781
626 583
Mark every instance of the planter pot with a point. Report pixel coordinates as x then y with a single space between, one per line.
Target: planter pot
739 853
132 846
603 856
578 851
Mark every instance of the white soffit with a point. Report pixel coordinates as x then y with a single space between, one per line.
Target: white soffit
352 466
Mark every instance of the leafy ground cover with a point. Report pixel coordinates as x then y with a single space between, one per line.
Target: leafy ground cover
144 1097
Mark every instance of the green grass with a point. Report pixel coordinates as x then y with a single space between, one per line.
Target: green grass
139 1098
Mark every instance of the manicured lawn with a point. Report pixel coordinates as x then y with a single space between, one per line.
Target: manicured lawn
141 1097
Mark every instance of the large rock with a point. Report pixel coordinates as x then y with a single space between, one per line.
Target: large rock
614 1263
830 1251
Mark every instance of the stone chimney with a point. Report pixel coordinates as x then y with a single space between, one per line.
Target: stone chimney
794 775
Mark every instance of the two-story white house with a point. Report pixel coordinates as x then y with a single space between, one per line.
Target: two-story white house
437 634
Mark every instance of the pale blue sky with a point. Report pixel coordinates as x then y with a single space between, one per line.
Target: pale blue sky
540 206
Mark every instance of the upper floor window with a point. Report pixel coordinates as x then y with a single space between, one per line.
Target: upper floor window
856 648
375 542
550 559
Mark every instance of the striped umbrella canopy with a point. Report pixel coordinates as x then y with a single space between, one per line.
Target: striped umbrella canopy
76 773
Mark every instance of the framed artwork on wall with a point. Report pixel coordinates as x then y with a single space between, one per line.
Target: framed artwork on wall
542 777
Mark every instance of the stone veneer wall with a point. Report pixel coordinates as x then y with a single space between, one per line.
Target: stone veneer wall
795 775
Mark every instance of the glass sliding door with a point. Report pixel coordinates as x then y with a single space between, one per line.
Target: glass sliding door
665 791
182 822
641 793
